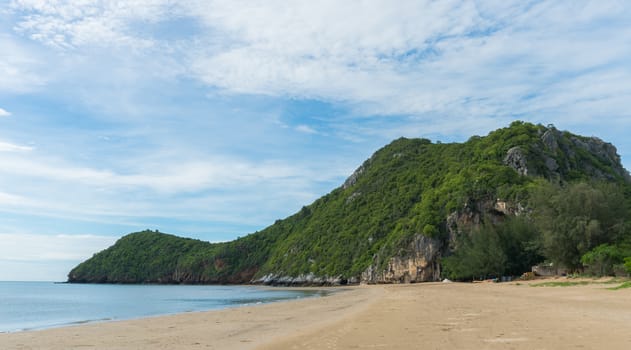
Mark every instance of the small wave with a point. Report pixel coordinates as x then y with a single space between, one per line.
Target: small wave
89 321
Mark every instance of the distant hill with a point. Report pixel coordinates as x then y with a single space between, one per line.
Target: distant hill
407 213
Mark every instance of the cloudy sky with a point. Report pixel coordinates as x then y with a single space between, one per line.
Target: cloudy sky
211 119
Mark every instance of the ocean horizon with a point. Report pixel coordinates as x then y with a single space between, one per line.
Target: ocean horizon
28 306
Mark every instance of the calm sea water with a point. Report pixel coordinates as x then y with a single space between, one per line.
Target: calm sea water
37 305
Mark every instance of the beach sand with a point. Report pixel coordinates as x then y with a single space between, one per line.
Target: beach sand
418 316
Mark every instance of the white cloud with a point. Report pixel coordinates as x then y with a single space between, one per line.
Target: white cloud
10 199
46 257
33 247
70 24
179 176
306 129
4 113
326 49
434 60
20 70
225 189
10 147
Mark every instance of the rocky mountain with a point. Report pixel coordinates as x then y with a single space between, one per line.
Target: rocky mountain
393 220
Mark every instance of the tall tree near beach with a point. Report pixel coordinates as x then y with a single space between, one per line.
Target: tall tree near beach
575 218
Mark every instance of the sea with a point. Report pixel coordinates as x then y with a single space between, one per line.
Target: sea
39 305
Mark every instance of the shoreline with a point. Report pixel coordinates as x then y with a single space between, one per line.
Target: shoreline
299 293
232 328
431 315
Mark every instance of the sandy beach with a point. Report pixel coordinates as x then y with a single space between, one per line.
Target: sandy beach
417 316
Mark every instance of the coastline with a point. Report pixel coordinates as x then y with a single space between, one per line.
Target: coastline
429 315
45 305
243 327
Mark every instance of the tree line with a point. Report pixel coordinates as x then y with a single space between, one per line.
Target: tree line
584 227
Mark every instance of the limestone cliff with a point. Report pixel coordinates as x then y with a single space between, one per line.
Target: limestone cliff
420 264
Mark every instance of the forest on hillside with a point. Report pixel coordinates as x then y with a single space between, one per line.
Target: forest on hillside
565 198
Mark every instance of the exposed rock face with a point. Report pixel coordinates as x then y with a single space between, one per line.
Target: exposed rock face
605 152
550 139
471 216
551 164
353 178
355 175
352 197
561 154
516 159
508 208
420 266
304 280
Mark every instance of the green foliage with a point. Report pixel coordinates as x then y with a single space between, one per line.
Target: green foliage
508 248
624 285
601 260
430 230
125 263
561 284
578 217
479 255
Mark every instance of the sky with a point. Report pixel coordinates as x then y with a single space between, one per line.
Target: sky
212 119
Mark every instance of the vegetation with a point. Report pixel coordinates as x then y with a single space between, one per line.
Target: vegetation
561 284
581 226
624 285
126 263
602 260
577 218
574 199
504 249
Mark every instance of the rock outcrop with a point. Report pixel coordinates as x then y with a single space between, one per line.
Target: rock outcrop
351 180
560 154
420 265
304 280
516 159
605 152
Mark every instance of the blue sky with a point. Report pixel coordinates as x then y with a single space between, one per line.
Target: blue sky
211 119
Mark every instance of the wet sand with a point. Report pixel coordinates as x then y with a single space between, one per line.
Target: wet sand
419 316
